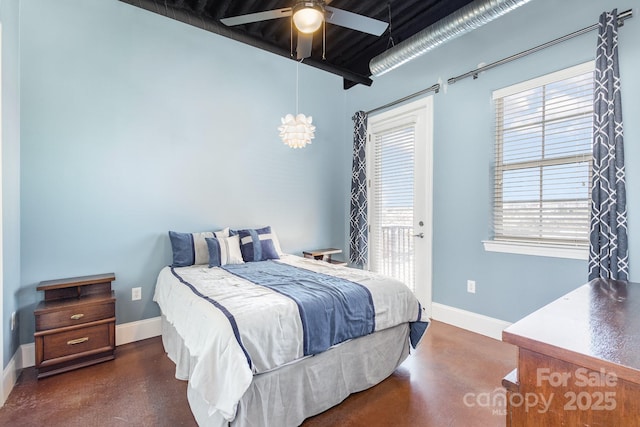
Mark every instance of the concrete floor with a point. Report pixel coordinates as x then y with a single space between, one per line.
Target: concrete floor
138 388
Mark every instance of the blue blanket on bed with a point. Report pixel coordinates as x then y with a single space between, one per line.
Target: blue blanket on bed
332 309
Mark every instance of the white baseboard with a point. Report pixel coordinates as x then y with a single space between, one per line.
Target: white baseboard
28 355
25 356
138 330
468 320
10 376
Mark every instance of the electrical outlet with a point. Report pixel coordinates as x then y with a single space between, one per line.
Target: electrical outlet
471 286
13 321
136 294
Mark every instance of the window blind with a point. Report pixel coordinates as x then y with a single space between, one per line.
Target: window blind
392 188
543 160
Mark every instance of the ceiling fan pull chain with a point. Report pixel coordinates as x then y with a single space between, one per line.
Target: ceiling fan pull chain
324 39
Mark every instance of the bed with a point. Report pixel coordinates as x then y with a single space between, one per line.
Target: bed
260 347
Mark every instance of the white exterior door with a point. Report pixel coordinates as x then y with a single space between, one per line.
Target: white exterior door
399 163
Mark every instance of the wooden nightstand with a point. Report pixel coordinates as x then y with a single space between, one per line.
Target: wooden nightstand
75 324
325 255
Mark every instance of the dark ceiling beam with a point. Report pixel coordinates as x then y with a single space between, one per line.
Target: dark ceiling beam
157 6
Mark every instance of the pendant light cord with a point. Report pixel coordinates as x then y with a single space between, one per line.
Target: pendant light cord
297 82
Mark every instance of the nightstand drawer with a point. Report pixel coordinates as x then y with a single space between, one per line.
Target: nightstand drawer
74 315
77 341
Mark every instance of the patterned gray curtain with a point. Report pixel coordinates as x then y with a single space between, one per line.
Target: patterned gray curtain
358 229
608 253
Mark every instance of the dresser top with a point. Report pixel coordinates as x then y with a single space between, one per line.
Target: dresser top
596 326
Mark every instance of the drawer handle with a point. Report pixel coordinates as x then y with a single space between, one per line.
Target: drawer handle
77 316
78 341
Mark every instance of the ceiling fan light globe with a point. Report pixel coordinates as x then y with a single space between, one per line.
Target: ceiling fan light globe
308 19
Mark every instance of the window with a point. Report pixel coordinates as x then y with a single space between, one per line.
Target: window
543 164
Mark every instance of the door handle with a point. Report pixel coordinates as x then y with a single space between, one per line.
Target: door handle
420 235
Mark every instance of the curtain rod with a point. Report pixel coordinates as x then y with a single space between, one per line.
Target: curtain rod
435 88
621 18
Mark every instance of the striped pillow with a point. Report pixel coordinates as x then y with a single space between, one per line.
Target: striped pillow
224 250
257 244
191 248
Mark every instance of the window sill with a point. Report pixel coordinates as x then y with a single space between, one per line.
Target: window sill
522 248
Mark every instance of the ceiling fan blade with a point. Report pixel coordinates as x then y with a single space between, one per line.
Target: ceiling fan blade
305 41
354 21
256 17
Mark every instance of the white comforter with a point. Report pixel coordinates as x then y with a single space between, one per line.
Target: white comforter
268 323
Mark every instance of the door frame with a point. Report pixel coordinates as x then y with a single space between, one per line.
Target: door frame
419 112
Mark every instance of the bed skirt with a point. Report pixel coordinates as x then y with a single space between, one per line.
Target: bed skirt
288 395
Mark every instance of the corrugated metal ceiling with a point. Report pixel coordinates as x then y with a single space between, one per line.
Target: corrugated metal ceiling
348 51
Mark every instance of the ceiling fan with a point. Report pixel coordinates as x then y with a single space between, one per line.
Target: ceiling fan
308 16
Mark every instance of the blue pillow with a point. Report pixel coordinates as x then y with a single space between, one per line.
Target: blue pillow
191 248
257 244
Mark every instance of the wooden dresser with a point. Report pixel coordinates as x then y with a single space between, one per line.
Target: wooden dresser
75 323
579 360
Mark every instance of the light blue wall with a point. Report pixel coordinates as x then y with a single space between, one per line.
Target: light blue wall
134 124
508 286
9 13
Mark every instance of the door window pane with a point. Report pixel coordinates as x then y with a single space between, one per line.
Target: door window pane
393 192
